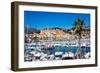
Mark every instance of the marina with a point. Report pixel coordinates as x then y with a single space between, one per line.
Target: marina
43 51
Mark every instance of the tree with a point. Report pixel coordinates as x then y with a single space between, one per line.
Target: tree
79 27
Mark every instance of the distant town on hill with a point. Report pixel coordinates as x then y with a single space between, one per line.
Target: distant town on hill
55 33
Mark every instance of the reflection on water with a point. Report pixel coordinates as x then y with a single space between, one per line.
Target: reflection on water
67 49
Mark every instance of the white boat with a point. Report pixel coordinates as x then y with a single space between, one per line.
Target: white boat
43 57
87 55
37 56
58 53
33 52
51 57
68 55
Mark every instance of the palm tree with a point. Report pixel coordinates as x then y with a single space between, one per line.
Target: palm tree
79 27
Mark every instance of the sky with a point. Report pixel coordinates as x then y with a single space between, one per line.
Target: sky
41 20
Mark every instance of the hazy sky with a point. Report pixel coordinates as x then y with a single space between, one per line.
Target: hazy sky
40 20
